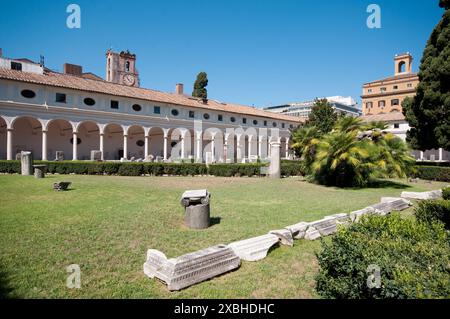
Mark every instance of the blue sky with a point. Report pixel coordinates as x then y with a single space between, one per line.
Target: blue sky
256 52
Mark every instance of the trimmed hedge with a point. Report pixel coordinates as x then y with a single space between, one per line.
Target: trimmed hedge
156 169
442 164
446 193
412 258
430 211
437 173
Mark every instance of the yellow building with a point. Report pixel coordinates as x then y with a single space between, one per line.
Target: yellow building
386 95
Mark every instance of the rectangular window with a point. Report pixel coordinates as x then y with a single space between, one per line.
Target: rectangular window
395 102
396 125
283 125
369 91
115 104
369 105
220 117
265 123
16 66
157 110
383 89
395 87
191 114
244 120
381 104
409 85
60 98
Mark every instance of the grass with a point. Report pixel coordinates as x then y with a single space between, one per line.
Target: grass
105 224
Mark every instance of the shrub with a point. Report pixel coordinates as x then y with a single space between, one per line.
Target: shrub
438 173
228 170
131 169
292 168
446 193
430 211
10 167
412 258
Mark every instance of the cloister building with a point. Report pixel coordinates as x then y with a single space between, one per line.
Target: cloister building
44 111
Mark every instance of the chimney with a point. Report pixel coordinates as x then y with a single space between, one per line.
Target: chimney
179 88
73 69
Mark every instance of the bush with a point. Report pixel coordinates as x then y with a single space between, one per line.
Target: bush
228 170
10 167
412 258
292 168
437 173
446 193
430 211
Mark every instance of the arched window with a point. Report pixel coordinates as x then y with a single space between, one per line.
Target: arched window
127 66
401 67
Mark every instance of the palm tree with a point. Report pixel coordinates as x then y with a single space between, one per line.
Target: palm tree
304 144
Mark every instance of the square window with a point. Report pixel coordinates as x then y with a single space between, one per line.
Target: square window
395 87
396 125
395 102
157 110
16 66
220 117
114 104
191 114
60 98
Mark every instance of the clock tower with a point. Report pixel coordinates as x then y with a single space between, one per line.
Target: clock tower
121 68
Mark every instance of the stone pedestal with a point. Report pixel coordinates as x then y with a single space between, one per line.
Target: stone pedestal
26 160
39 171
275 160
197 216
96 155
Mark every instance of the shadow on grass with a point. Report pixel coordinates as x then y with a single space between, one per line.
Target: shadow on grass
387 184
215 221
6 291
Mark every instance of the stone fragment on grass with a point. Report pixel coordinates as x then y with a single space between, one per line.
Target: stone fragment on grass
192 268
436 194
356 215
284 235
312 233
298 231
325 226
254 249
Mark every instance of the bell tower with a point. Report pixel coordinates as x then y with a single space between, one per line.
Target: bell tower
403 63
121 68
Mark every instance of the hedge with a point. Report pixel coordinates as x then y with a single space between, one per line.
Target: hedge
412 259
442 164
437 173
430 211
156 169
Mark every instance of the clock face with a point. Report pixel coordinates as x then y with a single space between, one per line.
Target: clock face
129 79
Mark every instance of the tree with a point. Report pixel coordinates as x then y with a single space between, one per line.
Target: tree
304 140
428 112
322 116
200 86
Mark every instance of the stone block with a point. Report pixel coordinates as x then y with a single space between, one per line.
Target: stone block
39 171
298 231
422 195
61 186
341 219
325 226
312 233
96 155
254 249
284 235
192 268
197 216
355 216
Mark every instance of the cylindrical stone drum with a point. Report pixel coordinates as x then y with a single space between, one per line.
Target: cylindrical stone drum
39 171
197 216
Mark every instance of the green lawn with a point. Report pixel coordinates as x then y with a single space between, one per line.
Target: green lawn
106 224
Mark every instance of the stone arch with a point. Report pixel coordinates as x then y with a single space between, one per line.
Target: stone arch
218 136
156 141
136 141
89 138
27 136
3 137
112 141
174 141
59 136
401 67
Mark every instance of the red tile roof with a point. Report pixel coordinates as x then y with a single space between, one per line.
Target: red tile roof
388 117
90 85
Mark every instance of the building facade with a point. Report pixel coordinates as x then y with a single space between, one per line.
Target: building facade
342 105
386 95
74 112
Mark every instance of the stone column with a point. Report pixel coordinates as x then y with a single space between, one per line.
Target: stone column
260 138
287 147
165 144
249 147
9 133
146 138
125 146
75 146
421 155
225 149
199 147
183 145
102 148
213 148
238 149
26 161
440 154
44 145
275 167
